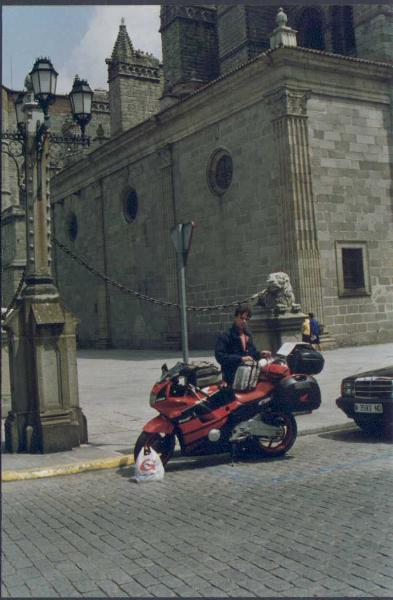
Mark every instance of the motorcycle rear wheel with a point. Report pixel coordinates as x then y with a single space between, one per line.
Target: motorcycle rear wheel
164 445
270 448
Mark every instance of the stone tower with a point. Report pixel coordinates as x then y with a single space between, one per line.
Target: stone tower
189 47
243 32
373 24
359 30
134 84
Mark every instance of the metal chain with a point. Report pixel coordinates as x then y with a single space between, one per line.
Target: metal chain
15 297
140 296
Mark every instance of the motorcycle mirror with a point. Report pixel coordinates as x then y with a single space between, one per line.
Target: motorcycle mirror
164 368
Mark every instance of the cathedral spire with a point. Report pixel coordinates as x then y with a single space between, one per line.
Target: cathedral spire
123 50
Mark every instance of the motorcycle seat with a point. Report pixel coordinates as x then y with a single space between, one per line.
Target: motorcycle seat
220 398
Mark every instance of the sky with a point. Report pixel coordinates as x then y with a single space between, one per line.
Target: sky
77 39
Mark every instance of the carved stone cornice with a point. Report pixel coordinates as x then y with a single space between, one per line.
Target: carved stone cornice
286 102
133 70
170 12
99 106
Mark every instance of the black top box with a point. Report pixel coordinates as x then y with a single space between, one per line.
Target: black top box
306 360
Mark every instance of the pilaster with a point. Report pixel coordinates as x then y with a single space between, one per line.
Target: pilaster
168 205
103 298
299 245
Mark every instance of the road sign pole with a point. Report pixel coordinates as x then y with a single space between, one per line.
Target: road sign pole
183 310
181 236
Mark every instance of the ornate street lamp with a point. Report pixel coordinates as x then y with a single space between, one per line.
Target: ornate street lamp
44 79
80 99
45 414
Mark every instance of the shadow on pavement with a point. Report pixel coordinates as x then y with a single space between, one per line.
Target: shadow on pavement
356 436
188 463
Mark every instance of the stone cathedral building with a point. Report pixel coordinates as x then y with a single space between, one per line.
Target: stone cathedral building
272 131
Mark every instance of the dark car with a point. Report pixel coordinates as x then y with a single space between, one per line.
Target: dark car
368 399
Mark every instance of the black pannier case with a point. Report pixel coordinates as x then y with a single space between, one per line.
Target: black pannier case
202 373
298 393
306 360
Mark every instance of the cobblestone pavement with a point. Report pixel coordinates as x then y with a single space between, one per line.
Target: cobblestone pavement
315 523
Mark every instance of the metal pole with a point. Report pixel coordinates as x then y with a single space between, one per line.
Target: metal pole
183 311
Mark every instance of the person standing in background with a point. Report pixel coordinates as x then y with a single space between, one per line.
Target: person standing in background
315 331
306 331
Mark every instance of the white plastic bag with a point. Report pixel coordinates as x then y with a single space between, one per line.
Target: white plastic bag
148 466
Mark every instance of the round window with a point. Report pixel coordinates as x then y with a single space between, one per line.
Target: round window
220 171
72 226
130 206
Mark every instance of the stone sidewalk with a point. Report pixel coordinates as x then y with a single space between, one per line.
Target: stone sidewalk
114 388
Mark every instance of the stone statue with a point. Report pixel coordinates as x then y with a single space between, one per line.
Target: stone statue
278 295
28 84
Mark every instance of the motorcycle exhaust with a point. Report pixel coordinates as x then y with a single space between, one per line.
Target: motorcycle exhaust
214 435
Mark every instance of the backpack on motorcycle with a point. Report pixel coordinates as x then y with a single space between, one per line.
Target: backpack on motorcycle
246 377
298 393
304 359
202 373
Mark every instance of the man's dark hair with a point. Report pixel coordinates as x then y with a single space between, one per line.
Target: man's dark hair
311 315
240 310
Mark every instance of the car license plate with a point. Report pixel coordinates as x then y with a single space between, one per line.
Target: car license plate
368 408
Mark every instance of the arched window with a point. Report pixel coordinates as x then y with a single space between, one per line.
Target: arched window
310 28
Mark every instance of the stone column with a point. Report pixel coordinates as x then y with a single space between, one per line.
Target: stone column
168 250
6 199
45 414
299 245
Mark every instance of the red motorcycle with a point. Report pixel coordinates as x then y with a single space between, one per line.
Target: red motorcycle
206 416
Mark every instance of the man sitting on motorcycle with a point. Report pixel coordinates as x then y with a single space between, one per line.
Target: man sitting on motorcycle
236 345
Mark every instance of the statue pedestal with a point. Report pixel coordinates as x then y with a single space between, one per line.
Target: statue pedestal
45 415
271 331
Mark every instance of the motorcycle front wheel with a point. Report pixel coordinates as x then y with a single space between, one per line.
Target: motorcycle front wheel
164 445
279 446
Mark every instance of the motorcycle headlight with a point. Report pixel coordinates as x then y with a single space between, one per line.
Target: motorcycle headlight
153 398
347 388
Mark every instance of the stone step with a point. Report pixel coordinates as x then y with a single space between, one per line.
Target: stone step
327 342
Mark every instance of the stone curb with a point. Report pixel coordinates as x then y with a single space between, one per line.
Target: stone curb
121 461
92 465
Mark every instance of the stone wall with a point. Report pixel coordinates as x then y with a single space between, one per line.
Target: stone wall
336 163
132 253
352 179
235 240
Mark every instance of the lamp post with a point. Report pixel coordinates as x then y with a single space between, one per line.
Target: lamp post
45 415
